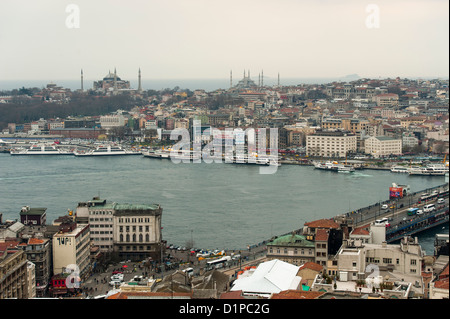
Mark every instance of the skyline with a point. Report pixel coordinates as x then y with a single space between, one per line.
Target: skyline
191 40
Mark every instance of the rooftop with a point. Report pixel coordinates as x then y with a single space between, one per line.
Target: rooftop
291 240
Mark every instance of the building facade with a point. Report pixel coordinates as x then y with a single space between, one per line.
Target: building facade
13 272
379 146
71 246
292 248
330 144
131 231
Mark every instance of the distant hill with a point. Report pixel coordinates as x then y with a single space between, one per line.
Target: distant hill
351 77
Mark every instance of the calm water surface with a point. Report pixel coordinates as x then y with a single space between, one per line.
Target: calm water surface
219 205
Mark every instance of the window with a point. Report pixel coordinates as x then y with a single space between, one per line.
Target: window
413 262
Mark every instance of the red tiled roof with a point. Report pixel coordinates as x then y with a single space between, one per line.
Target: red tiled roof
322 223
297 294
321 235
363 230
442 284
232 295
444 273
311 265
8 244
35 241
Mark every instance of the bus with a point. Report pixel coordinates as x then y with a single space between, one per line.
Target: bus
412 211
218 263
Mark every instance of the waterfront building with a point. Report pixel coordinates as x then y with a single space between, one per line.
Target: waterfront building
330 144
13 271
33 216
88 133
379 146
131 231
291 248
108 122
71 246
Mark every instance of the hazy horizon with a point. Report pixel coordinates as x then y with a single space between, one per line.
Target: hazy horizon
198 39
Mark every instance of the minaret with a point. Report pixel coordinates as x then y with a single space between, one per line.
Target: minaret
140 87
262 77
81 80
278 78
231 79
115 81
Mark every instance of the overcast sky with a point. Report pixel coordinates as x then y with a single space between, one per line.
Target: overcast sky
191 39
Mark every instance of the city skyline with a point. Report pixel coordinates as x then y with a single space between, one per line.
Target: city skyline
203 40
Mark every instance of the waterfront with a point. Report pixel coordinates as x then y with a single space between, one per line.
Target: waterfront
217 205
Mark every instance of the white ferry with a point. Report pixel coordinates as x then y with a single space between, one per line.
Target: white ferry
430 170
108 150
160 154
346 169
399 169
43 149
330 166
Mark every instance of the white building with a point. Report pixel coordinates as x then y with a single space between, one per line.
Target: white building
110 121
132 231
379 146
71 246
268 278
356 259
330 143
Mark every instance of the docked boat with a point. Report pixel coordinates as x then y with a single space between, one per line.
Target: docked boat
399 169
160 154
108 150
430 170
43 149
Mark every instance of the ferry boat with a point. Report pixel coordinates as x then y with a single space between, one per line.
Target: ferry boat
108 150
399 169
346 169
430 170
160 154
44 149
330 166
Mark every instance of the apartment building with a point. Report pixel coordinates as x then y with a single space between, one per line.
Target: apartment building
331 144
354 258
132 231
379 146
292 248
13 271
71 246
